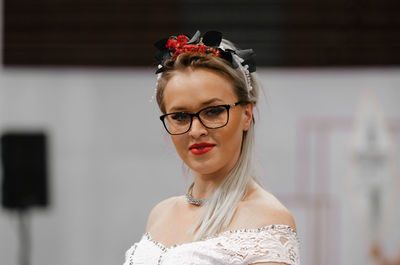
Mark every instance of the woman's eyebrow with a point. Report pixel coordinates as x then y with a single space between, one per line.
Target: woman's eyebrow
177 108
211 101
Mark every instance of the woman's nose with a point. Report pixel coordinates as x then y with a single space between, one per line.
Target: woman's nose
197 129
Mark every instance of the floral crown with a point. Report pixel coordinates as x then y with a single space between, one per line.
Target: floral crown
209 43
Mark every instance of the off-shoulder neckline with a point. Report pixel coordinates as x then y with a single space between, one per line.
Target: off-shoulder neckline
164 248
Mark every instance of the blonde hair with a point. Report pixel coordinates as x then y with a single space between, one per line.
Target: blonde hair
219 209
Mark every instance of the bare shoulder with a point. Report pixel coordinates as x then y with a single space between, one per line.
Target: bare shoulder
161 210
261 208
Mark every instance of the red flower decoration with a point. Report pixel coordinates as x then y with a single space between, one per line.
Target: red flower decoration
178 45
171 44
182 39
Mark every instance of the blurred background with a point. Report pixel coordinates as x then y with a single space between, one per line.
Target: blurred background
85 157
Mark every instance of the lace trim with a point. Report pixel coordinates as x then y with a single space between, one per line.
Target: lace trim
129 254
158 244
246 230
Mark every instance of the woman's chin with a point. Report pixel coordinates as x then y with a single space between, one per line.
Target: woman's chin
203 171
211 168
203 168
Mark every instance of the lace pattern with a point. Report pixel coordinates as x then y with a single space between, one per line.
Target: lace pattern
274 243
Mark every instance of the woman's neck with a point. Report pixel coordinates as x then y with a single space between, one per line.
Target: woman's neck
205 185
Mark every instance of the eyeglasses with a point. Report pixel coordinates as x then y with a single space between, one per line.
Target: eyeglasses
212 117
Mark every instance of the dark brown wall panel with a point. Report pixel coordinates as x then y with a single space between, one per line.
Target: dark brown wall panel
89 32
282 32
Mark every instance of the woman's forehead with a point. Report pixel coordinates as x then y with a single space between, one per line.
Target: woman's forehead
196 88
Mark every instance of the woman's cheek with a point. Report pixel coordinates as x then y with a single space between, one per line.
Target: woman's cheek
180 145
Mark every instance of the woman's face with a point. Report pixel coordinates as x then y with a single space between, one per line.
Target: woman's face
192 90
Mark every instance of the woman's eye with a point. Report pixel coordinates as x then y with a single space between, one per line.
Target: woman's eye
214 111
180 117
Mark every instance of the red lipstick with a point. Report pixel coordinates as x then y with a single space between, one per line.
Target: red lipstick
201 148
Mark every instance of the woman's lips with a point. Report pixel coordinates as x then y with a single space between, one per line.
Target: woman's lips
201 148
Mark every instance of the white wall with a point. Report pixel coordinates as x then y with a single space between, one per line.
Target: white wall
111 160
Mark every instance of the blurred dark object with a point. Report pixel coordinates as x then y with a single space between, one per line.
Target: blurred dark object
282 33
24 160
379 257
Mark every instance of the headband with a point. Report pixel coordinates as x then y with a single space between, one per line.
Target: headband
209 43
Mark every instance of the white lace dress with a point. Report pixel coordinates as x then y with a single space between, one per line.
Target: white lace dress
274 243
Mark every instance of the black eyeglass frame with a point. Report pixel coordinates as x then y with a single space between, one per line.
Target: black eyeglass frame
227 106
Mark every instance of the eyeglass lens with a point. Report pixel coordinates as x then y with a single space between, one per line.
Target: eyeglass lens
211 117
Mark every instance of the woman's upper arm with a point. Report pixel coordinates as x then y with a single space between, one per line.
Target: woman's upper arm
157 212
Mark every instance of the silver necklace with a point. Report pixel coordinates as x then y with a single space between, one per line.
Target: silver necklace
192 200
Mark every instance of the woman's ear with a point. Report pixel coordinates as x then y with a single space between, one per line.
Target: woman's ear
247 115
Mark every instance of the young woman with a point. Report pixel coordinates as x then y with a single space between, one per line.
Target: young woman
207 92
